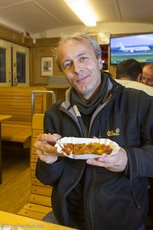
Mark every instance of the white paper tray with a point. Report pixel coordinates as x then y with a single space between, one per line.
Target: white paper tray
74 140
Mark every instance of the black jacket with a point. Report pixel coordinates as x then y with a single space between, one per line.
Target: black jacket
112 201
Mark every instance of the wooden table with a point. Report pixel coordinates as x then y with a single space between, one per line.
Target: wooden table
17 222
2 118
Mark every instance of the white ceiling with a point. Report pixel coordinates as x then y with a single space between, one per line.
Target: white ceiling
38 16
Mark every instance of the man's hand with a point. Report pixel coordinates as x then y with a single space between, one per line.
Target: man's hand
114 163
44 147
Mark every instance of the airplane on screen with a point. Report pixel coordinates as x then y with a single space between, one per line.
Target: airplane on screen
133 49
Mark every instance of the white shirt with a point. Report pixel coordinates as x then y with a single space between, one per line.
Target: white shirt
136 85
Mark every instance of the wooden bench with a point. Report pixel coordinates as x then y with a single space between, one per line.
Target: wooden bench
17 102
40 199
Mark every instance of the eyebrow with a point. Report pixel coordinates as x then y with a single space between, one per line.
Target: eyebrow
79 55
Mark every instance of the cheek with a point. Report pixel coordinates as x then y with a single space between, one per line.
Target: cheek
96 66
68 75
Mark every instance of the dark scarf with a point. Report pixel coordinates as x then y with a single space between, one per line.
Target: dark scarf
75 197
88 108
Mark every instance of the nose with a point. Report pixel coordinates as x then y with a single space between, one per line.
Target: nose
76 67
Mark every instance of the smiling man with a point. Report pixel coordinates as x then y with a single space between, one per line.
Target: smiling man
106 193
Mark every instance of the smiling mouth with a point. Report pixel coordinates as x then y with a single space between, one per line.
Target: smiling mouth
82 79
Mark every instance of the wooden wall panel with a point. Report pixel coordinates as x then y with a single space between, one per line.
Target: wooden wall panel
37 53
16 37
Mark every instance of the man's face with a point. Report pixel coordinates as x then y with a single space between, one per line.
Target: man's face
147 76
80 66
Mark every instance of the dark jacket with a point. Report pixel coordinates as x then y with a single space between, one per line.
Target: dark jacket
112 201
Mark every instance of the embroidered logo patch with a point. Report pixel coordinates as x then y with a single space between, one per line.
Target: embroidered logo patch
115 132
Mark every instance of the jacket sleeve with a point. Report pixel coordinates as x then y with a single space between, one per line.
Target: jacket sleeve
140 159
48 174
48 124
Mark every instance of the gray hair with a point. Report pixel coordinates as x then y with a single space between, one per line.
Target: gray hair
78 37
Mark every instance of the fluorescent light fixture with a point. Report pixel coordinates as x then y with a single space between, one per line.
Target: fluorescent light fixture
82 9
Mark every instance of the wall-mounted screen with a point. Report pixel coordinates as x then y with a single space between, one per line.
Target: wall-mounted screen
139 47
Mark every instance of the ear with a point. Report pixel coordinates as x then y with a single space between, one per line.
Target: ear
100 63
139 77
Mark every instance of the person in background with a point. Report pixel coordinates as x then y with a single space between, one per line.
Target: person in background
110 192
136 85
129 69
147 74
129 73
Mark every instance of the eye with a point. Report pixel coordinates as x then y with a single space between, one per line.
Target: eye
67 65
83 58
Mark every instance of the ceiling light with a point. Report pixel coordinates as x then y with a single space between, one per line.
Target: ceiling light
82 9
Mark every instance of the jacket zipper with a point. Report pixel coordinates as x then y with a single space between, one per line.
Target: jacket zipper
135 200
76 182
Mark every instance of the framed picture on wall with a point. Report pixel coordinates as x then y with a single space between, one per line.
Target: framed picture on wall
47 66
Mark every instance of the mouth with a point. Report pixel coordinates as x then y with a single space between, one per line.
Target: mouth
82 78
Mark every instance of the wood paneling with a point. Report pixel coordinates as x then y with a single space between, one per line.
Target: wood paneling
37 53
15 37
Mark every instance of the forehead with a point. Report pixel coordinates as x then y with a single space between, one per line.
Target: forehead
148 68
74 46
148 71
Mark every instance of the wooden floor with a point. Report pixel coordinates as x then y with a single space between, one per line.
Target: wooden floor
16 185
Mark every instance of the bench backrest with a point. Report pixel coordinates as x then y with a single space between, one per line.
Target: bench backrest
41 194
17 102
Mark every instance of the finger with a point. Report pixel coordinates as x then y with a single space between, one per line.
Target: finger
53 153
38 145
39 152
108 159
109 163
48 137
50 149
55 137
99 162
43 156
94 162
43 137
48 159
45 147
